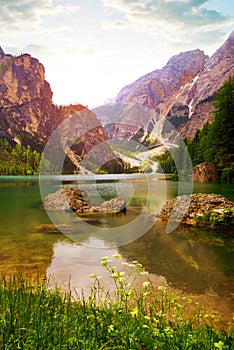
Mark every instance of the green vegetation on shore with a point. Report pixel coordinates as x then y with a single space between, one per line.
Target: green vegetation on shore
35 317
18 160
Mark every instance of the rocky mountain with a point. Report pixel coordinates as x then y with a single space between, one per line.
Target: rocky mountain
26 108
156 88
29 117
200 94
183 91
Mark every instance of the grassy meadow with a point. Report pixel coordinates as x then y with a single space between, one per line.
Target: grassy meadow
35 316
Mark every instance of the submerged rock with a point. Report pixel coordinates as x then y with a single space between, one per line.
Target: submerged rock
68 198
50 228
207 210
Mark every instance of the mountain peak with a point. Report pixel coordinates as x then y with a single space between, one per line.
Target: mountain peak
189 56
231 36
28 116
158 86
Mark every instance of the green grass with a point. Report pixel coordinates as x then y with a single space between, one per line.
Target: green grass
32 316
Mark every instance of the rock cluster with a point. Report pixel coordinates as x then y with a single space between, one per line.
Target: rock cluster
69 198
199 205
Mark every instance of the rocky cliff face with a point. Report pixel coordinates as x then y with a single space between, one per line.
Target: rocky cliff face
26 109
129 121
157 87
201 94
183 91
28 115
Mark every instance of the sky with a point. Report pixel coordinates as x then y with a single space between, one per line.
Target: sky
92 48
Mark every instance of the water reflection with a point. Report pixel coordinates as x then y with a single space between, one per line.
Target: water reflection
194 261
185 258
73 264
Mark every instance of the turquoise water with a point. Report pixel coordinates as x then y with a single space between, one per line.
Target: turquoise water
192 261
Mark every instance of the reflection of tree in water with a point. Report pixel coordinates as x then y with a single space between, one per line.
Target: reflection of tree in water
30 255
192 260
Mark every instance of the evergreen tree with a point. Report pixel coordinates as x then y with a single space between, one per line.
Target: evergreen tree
223 125
18 160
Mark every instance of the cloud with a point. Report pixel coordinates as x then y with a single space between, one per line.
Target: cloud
41 50
37 49
179 21
13 50
78 51
27 15
119 24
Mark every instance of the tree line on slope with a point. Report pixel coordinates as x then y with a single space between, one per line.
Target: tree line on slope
18 159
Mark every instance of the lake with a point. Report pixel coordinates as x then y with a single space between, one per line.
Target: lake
190 261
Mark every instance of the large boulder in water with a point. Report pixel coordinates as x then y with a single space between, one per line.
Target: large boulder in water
69 198
207 210
114 205
205 172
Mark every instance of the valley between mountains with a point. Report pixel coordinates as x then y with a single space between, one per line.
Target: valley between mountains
127 134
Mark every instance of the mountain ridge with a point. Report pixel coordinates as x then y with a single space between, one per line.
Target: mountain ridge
172 67
184 89
179 96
